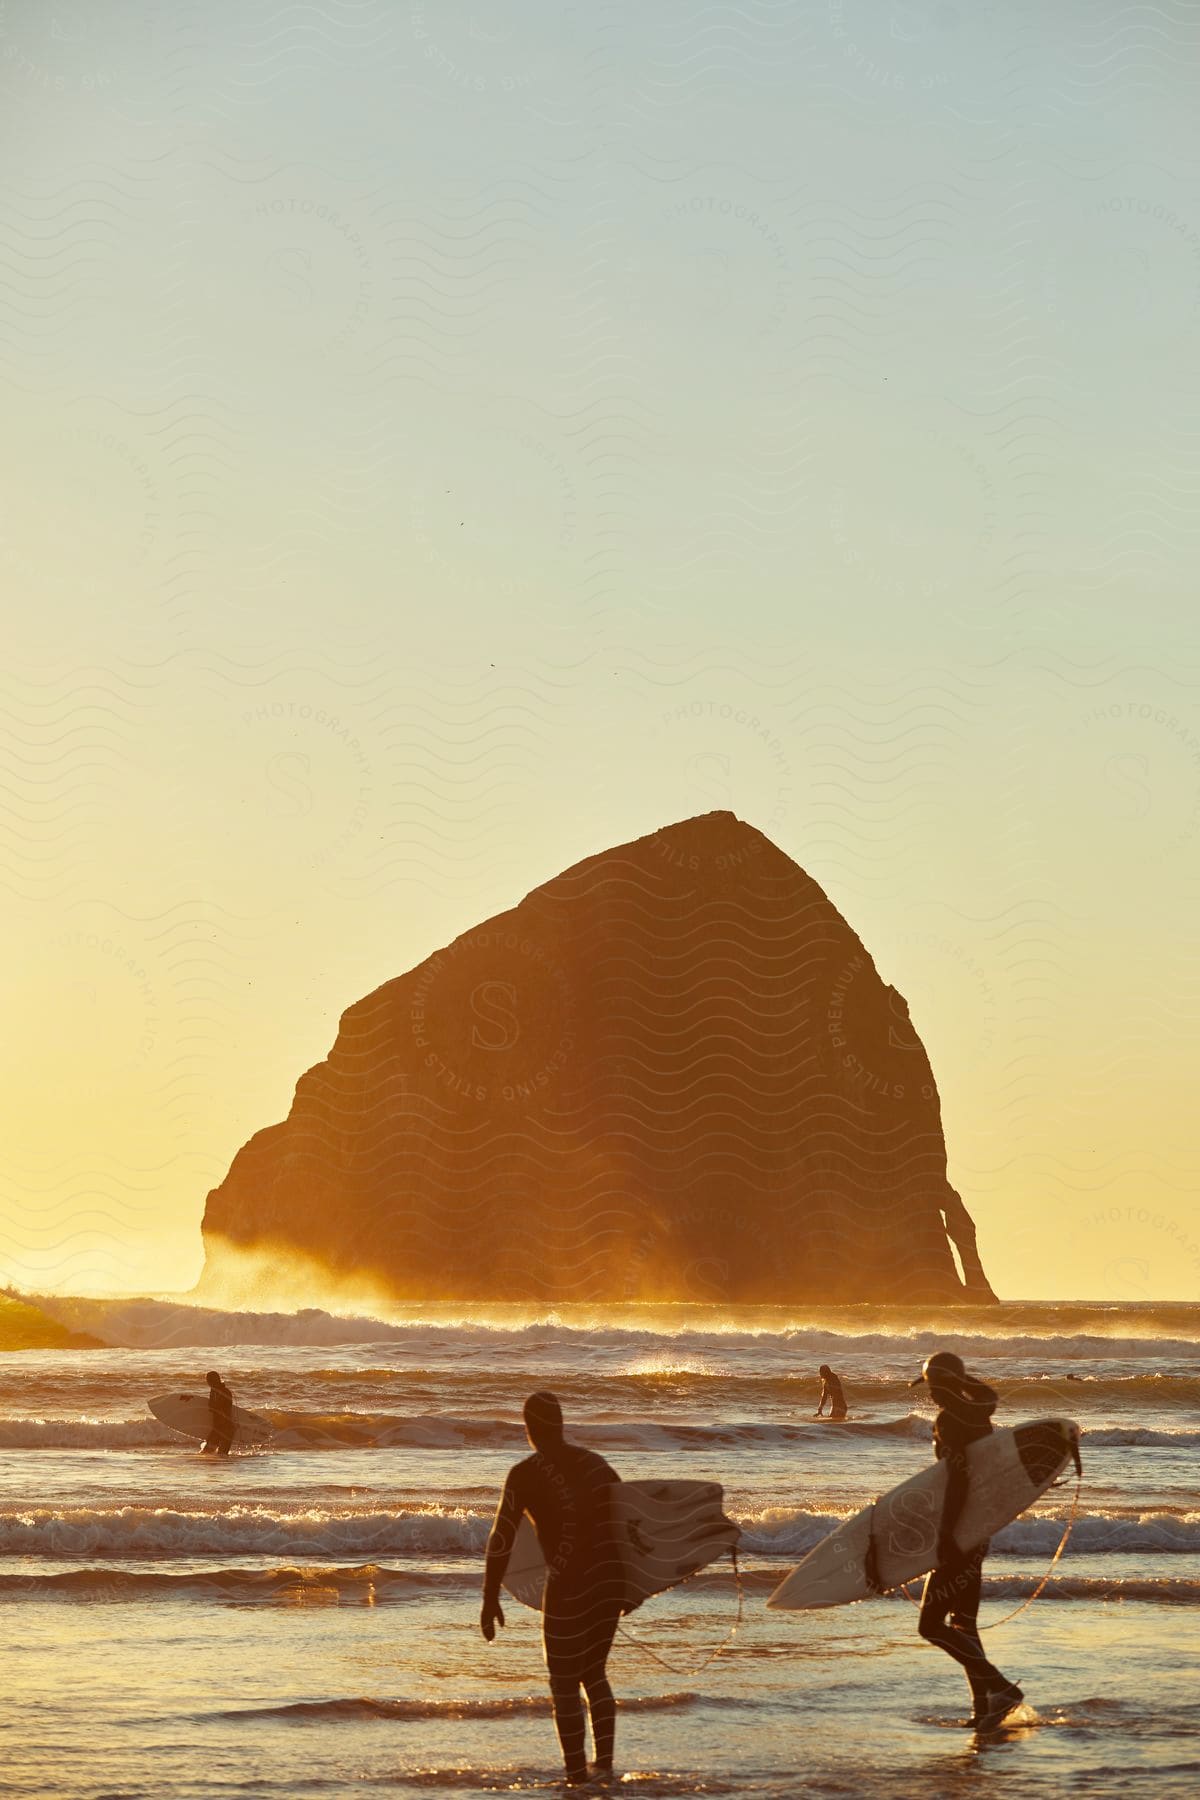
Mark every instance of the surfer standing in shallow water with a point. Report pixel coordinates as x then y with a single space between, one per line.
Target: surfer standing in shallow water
566 1492
950 1603
831 1390
220 1431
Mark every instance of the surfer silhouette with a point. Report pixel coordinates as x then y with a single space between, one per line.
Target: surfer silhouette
566 1492
950 1602
220 1433
831 1390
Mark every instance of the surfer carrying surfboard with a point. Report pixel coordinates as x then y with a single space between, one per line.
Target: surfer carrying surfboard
567 1492
950 1602
220 1399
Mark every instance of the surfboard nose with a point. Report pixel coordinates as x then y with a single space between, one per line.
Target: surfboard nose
1044 1446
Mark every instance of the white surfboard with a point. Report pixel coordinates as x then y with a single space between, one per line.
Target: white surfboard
666 1531
192 1415
1008 1470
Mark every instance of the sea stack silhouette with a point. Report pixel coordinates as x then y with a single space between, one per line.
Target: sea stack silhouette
672 1072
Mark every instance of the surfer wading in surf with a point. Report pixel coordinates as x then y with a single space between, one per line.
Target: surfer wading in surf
566 1492
831 1391
950 1602
220 1399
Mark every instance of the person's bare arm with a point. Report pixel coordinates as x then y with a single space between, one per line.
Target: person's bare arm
499 1548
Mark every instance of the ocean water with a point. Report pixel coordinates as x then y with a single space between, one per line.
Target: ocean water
302 1619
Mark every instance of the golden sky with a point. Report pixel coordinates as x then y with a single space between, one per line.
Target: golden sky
433 457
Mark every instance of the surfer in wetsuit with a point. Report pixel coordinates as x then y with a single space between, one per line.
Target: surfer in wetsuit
220 1432
566 1492
831 1390
950 1603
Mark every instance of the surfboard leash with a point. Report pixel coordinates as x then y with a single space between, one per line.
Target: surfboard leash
1029 1600
698 1668
1054 1561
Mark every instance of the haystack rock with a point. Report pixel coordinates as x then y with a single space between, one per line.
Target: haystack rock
671 1073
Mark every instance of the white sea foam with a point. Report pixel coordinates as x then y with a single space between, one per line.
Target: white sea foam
784 1531
136 1531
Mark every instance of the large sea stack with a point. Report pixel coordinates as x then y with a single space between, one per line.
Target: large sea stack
671 1073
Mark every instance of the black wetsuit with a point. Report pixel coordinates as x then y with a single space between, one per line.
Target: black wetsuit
950 1602
220 1434
566 1490
831 1390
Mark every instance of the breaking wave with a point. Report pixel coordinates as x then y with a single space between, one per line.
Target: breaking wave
781 1532
297 1586
136 1531
1142 1437
376 1585
383 1431
85 1434
367 1536
376 1431
1073 1332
